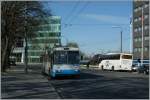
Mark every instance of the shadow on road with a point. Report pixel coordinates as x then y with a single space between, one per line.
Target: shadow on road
17 84
27 90
90 76
81 76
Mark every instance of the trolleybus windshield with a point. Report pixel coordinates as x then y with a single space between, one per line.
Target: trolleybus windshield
66 57
73 57
60 57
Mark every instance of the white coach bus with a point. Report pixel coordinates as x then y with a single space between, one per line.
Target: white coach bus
116 61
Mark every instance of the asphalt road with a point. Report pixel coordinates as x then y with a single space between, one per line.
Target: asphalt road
15 84
97 84
92 84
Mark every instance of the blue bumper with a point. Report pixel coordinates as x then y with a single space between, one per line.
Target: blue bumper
66 73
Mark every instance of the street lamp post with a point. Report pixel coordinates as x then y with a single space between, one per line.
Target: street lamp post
131 34
142 39
121 41
120 36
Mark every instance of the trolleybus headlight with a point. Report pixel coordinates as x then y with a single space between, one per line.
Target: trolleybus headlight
76 70
76 67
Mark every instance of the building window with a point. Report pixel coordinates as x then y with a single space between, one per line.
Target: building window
146 16
54 28
146 5
34 60
135 40
139 18
135 30
135 20
59 28
139 8
136 9
146 38
139 39
55 21
139 29
41 34
136 49
146 27
145 49
139 49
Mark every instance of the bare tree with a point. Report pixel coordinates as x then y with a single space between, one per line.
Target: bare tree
19 19
72 44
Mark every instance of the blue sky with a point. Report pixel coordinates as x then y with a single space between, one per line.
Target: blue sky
90 23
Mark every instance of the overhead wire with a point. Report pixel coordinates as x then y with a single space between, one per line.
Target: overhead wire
71 11
76 24
77 14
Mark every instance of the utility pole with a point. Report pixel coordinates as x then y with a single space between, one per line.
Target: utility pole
121 41
26 44
142 39
131 35
120 36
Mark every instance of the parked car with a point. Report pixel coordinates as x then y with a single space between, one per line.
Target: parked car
134 68
142 69
134 65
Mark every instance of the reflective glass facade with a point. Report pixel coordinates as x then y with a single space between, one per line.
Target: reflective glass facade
46 37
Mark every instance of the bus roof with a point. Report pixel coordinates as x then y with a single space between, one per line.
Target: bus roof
118 53
65 49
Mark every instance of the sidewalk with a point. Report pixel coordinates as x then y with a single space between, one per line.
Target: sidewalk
16 84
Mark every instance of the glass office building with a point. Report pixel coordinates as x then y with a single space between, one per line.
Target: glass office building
48 35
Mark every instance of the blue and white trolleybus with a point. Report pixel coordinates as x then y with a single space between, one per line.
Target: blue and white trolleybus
61 61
